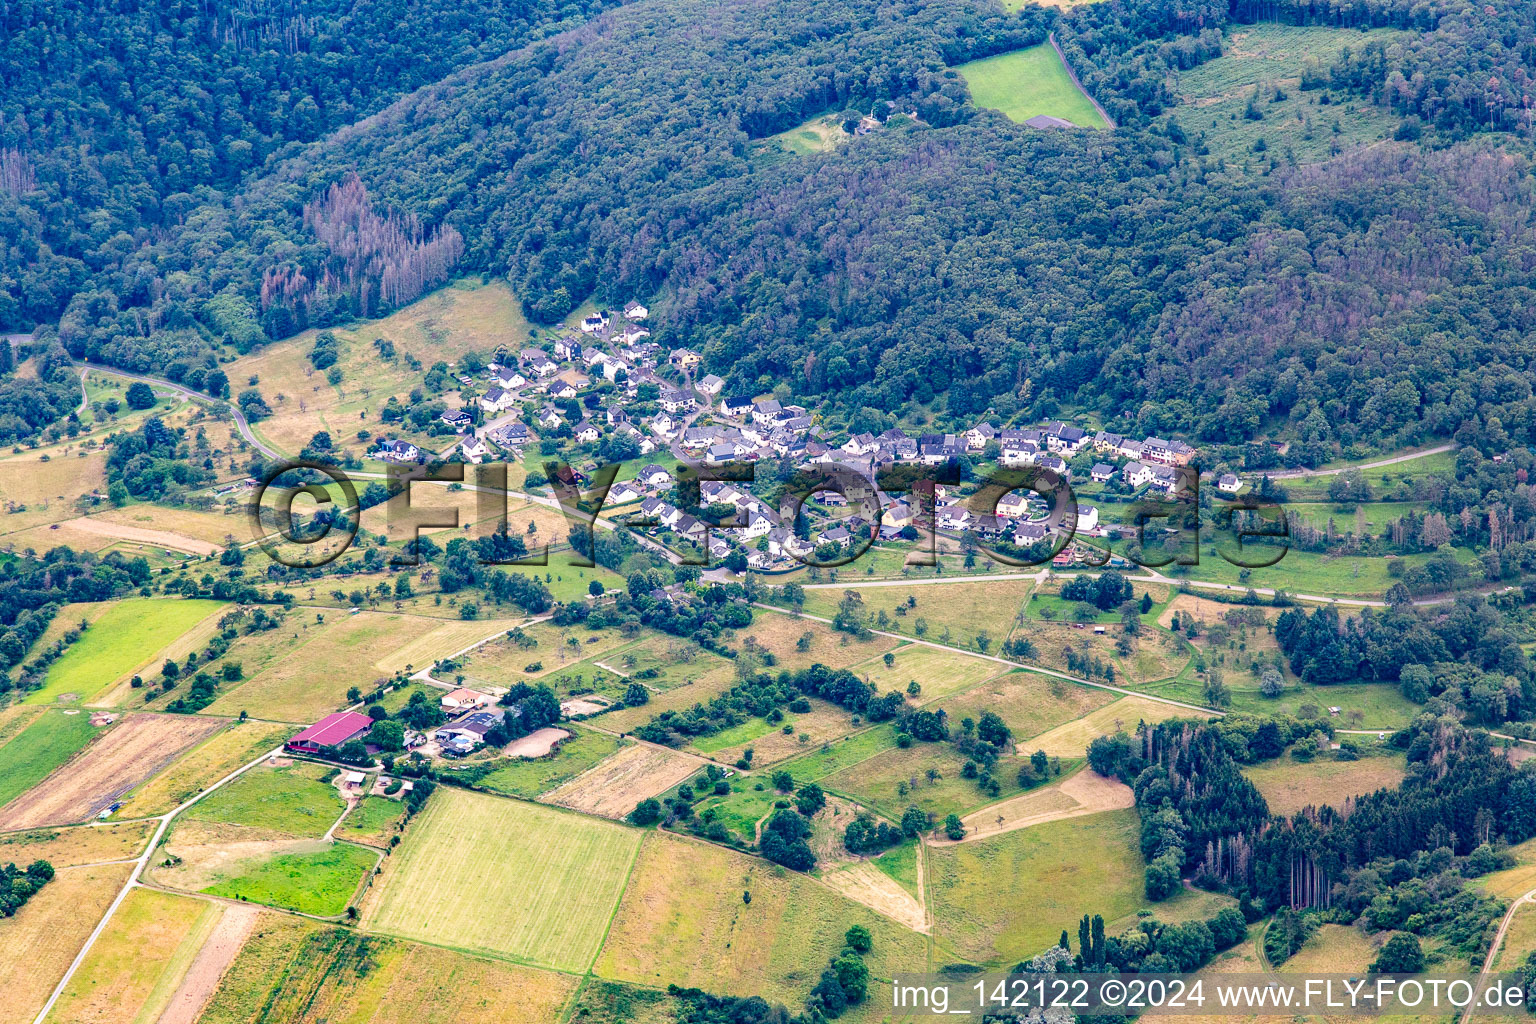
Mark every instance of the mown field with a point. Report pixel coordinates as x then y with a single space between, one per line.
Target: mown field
1289 785
135 966
683 921
449 882
320 882
948 613
48 741
1027 82
68 847
289 800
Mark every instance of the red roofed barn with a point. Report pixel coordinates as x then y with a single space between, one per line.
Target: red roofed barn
331 731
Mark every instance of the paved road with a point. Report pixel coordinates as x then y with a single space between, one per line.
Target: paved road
1296 474
162 384
139 864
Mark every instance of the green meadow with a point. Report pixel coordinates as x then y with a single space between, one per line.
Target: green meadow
1027 82
125 637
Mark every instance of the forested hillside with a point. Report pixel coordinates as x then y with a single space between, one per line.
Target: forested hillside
1376 298
116 119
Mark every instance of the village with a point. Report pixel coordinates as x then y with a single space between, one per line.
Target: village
608 393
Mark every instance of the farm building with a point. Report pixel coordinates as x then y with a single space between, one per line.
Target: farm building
331 731
458 700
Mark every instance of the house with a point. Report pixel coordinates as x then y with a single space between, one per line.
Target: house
509 435
758 525
462 698
710 386
562 389
1107 442
654 476
767 409
397 451
898 515
861 444
1055 465
954 517
331 731
690 527
675 400
662 423
586 432
565 348
1100 473
1131 449
1087 518
722 452
634 311
1060 437
1229 483
1025 534
613 367
497 400
458 419
735 407
474 449
1017 449
623 494
685 359
507 377
1136 473
543 366
594 323
836 535
977 437
1013 504
549 419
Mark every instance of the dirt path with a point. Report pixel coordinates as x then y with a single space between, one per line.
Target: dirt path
1084 793
217 953
1493 948
867 884
159 538
1297 474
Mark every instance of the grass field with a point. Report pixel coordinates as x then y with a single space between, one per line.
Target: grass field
1027 82
296 972
46 743
1289 785
449 882
818 135
1029 703
300 682
833 757
133 968
202 766
124 639
877 781
999 900
901 864
949 613
319 882
1264 62
1072 739
683 921
288 800
37 945
529 777
373 821
443 325
938 673
66 847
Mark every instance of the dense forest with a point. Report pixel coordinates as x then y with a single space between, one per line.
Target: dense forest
945 265
1202 818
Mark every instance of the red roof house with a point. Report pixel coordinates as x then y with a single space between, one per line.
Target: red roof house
331 731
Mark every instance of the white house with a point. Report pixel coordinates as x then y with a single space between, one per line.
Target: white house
1229 483
1136 473
474 449
462 699
586 432
710 386
497 400
1087 518
634 311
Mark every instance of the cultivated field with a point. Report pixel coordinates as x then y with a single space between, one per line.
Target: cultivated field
449 882
47 741
201 767
134 750
68 847
123 640
683 921
1027 82
614 786
294 972
220 946
1072 739
137 964
37 945
1289 785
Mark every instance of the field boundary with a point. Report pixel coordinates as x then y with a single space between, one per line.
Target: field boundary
1075 81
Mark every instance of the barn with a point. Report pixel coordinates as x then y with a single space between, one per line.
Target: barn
331 731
